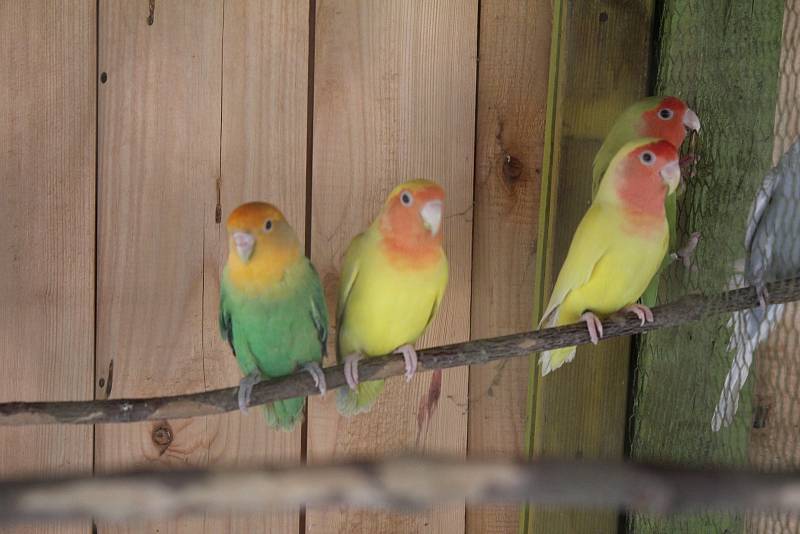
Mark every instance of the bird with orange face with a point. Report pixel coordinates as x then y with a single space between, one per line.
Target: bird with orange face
618 245
392 283
272 309
659 117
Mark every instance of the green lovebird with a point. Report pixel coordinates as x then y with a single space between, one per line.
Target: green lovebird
661 117
272 309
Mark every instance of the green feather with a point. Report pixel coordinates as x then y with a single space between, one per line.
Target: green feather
277 332
623 131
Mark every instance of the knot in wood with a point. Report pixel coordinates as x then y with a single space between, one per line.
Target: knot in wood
162 435
512 167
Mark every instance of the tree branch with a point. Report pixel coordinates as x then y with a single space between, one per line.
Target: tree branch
688 309
400 483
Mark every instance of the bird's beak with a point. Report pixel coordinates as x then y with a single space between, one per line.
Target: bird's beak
691 120
432 216
244 243
671 175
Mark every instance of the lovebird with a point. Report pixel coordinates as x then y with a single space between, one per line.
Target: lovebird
618 245
393 279
661 117
272 308
772 253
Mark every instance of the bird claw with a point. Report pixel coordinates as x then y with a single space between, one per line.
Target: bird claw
351 369
644 313
689 163
246 389
763 297
594 326
318 375
410 357
685 253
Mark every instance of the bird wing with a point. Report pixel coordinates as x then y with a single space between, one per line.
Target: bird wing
589 244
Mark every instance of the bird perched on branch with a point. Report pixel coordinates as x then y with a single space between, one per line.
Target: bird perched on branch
618 245
272 309
661 117
392 282
772 253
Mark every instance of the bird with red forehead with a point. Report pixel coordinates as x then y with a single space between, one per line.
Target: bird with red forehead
618 245
272 309
393 279
660 117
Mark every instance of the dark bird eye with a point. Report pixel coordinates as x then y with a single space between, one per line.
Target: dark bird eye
647 158
406 198
665 114
268 225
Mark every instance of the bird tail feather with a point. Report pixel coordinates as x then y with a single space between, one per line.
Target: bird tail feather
748 329
284 414
351 402
550 360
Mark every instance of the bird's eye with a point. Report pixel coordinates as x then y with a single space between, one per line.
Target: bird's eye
406 198
268 225
647 157
665 114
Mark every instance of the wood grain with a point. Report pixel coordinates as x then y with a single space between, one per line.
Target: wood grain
47 172
264 127
512 96
394 99
602 66
159 160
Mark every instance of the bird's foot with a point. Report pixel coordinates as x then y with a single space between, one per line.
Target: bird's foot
351 369
410 357
318 375
594 326
644 313
763 297
688 165
685 252
246 389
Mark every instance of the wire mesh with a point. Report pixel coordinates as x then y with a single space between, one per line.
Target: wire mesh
731 62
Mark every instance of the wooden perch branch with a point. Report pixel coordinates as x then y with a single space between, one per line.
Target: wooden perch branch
401 483
687 309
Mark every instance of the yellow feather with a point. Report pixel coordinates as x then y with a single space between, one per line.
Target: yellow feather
607 268
382 307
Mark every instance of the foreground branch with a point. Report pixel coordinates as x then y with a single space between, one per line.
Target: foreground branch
687 309
403 483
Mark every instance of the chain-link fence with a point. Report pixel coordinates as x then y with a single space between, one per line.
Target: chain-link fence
731 61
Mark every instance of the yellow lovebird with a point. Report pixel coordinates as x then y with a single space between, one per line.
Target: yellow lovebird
392 282
618 246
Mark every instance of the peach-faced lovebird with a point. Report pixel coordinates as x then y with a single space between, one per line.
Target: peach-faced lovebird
393 278
661 117
618 245
272 309
772 253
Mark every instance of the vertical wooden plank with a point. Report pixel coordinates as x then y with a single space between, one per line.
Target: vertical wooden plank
774 443
603 61
264 115
159 160
512 96
394 99
47 172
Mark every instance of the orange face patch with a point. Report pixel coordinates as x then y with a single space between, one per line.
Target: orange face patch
640 186
665 121
407 238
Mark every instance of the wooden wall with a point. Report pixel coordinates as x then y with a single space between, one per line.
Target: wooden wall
132 128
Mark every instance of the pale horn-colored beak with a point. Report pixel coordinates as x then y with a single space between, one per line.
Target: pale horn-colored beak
671 175
432 216
244 243
691 120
